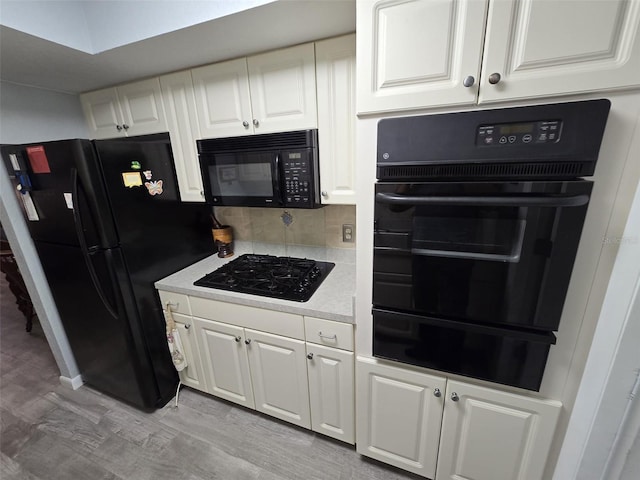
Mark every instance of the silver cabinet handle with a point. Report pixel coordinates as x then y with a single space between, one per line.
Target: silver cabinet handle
328 337
469 81
256 122
247 341
238 338
437 392
494 78
125 126
118 127
245 124
187 326
454 396
324 194
310 356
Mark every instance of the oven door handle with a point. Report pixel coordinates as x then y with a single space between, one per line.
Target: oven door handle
496 201
512 257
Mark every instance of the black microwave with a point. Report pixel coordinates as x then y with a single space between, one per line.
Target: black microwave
269 170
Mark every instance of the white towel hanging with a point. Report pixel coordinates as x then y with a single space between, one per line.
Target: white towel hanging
175 344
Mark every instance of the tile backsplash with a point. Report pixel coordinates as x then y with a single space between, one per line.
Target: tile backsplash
283 230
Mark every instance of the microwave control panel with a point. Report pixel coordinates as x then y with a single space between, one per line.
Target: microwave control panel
297 179
521 133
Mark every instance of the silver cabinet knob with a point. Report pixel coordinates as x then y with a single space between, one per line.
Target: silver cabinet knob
494 78
187 326
118 127
238 338
245 124
454 396
247 341
256 122
469 81
324 193
310 356
202 193
437 392
125 126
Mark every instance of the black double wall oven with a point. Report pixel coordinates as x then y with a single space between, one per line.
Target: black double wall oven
478 217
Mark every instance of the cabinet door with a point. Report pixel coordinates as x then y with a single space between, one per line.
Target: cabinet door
192 374
223 103
399 413
413 53
336 81
180 108
279 377
331 392
142 111
102 112
492 435
225 361
529 45
283 89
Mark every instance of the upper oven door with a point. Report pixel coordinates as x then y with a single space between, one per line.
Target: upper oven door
248 179
486 252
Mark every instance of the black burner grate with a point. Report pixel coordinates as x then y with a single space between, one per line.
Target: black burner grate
287 278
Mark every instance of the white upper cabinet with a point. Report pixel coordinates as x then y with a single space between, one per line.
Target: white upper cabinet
336 82
271 92
180 108
418 53
415 54
488 434
128 110
541 48
223 99
283 89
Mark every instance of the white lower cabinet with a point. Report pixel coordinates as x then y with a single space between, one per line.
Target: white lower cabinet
493 435
279 377
225 361
331 392
450 430
300 370
399 413
192 374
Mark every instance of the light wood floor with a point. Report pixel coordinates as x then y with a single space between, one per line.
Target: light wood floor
48 432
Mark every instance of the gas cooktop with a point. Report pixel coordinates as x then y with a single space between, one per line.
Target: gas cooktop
287 278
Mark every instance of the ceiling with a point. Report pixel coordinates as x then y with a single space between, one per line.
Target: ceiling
29 60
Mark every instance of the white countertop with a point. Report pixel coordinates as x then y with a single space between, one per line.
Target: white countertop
334 299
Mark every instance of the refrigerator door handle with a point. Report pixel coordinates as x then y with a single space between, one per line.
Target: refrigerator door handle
83 244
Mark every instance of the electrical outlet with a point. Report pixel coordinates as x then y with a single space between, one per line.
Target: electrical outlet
348 233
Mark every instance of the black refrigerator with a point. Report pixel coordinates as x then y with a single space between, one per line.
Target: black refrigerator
107 222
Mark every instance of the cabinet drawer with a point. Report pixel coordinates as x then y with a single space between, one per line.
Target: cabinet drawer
270 321
179 302
331 334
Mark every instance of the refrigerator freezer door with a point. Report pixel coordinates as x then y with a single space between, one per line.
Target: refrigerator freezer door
52 192
106 347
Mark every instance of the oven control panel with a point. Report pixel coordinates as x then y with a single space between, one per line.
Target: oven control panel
521 133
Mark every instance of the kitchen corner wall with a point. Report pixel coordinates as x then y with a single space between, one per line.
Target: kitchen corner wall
267 227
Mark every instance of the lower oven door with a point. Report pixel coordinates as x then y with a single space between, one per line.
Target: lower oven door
494 253
508 356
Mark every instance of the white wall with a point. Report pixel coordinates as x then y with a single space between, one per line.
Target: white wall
96 26
33 115
61 22
117 23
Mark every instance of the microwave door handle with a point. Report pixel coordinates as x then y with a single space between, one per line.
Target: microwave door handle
507 201
277 180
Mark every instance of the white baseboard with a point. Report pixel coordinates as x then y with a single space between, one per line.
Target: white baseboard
72 383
